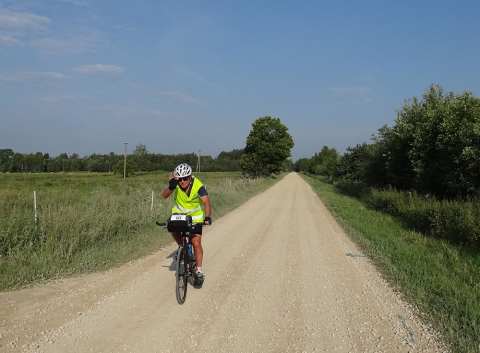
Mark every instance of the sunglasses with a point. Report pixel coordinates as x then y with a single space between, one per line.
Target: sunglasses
184 178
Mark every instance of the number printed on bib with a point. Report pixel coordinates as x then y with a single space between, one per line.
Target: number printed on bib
178 217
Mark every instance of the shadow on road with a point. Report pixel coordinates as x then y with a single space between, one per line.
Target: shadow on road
171 256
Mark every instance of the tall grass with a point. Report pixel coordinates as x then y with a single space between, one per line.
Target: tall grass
457 221
441 278
88 221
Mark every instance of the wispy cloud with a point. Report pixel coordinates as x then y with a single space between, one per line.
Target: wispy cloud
101 69
186 98
190 73
9 40
72 45
14 20
357 94
79 3
193 75
60 99
32 76
29 29
131 110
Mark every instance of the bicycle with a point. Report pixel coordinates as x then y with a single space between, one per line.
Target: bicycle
185 257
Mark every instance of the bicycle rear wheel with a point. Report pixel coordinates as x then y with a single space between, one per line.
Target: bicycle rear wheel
181 275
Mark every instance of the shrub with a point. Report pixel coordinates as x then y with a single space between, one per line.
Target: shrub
454 220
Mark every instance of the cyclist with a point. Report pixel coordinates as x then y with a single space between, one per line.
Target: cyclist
190 198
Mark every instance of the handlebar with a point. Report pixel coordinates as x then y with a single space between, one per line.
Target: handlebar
164 224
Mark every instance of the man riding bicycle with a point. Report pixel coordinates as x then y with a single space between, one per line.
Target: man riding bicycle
191 198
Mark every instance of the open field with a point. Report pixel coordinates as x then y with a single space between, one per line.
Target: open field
441 279
90 221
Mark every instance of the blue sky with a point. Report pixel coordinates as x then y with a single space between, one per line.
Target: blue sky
180 76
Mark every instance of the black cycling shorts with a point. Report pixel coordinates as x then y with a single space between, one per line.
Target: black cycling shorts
197 228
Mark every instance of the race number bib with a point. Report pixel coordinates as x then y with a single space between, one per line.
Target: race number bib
178 217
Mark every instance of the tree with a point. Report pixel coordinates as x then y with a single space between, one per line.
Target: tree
392 165
356 164
302 165
441 135
325 162
140 150
141 158
268 147
6 159
229 161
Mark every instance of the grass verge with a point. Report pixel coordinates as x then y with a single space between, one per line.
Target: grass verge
91 222
441 279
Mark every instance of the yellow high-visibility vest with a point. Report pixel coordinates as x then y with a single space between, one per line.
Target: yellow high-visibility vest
189 204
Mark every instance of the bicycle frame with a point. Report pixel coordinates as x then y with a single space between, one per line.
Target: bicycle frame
184 266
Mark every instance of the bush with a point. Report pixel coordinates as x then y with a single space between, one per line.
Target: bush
129 170
456 221
356 189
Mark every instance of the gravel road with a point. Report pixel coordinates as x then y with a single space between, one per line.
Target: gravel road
281 276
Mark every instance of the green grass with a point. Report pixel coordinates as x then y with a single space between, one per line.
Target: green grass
441 279
90 222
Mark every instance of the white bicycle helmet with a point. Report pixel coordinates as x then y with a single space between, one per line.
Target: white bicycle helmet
182 170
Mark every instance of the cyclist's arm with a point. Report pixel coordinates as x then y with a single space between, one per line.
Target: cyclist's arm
167 191
206 205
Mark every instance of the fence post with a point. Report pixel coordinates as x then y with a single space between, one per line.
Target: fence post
35 206
151 207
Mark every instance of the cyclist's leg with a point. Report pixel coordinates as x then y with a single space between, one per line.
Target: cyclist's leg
198 249
197 243
177 237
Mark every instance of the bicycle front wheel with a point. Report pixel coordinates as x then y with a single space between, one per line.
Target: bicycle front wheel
181 275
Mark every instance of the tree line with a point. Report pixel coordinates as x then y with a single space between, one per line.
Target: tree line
141 160
267 152
432 148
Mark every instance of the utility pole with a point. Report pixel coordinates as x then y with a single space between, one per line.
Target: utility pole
125 160
198 161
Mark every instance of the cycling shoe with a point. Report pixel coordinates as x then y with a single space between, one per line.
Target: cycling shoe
199 278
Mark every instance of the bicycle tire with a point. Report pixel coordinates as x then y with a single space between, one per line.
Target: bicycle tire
181 276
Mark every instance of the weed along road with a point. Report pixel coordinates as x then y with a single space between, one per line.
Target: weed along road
281 276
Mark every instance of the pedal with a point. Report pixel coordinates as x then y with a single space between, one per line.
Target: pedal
198 281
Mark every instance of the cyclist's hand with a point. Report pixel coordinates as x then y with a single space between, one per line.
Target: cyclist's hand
172 183
208 221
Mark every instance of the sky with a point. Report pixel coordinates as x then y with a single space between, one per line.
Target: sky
85 76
